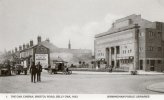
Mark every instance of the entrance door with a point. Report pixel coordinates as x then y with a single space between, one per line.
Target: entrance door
118 63
141 64
152 64
112 63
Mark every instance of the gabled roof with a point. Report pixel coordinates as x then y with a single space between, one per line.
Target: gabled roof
46 44
49 45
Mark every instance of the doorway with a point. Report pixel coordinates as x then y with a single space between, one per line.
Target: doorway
112 63
152 64
141 64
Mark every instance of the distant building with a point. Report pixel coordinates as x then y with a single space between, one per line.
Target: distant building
132 43
49 52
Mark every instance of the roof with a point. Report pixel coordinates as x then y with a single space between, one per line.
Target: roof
49 45
46 44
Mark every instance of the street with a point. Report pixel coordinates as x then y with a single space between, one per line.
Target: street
80 84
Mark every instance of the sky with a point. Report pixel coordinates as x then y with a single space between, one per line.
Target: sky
64 20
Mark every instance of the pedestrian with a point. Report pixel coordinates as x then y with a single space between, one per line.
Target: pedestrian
39 70
33 72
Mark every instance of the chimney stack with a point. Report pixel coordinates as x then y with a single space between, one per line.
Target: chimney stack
9 52
20 48
48 40
39 39
31 43
27 45
24 46
12 51
16 49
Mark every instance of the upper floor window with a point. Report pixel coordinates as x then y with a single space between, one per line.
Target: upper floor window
159 48
159 61
117 49
151 34
141 34
140 49
159 34
150 48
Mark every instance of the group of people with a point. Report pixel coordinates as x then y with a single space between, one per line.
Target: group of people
35 70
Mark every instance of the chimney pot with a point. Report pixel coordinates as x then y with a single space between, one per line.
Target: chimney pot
39 39
24 46
31 43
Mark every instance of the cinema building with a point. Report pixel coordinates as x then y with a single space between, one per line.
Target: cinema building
132 43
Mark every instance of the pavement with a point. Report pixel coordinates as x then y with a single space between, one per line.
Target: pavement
117 73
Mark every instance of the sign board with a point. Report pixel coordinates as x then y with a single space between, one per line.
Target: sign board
43 59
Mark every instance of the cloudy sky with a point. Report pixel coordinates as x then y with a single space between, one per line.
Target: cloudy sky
64 20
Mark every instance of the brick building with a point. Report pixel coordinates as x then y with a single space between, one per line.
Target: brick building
132 43
35 53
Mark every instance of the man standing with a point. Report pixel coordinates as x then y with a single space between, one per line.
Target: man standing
39 70
33 72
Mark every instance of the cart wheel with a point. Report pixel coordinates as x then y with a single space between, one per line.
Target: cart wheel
69 72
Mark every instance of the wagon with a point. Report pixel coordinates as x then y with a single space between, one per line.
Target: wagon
59 66
20 69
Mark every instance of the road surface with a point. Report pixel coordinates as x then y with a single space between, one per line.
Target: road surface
80 84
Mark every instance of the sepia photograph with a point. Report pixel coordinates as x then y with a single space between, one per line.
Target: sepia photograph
82 47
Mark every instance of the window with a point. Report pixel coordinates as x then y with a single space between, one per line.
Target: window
112 50
159 49
117 49
130 50
151 34
159 61
147 61
141 34
159 34
150 48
